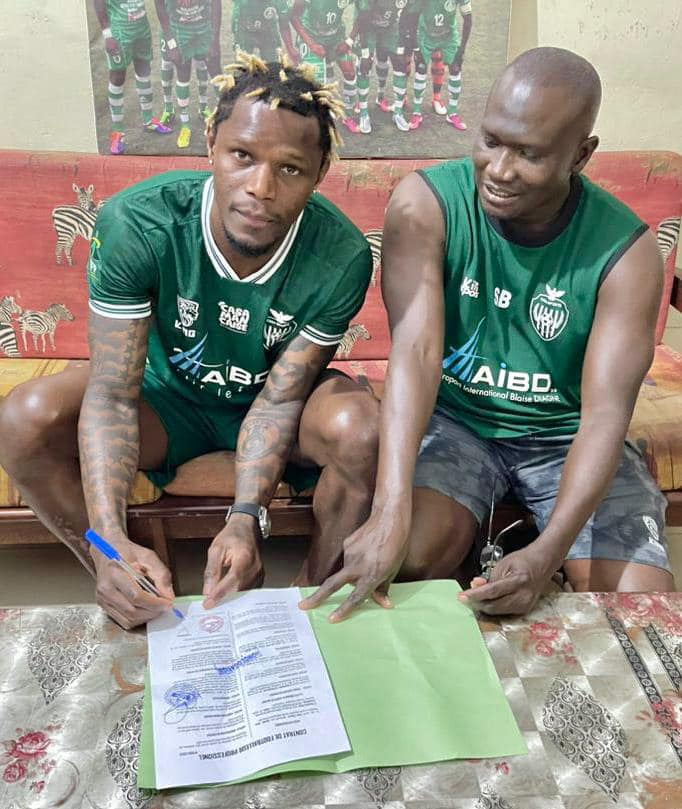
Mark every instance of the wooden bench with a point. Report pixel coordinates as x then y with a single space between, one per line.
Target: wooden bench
47 211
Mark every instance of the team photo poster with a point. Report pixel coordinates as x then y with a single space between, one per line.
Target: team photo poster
414 74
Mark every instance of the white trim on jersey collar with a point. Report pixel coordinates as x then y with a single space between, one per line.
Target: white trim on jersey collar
222 265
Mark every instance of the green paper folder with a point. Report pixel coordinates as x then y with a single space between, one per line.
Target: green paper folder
414 685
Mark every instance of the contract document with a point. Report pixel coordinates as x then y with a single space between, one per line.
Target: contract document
237 689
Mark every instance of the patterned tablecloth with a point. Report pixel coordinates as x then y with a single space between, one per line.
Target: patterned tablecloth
593 680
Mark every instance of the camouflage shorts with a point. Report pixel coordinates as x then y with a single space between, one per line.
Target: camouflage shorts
628 525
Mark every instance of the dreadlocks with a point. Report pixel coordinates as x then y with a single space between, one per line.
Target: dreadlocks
280 85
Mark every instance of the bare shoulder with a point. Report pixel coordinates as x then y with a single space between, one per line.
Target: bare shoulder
637 276
414 203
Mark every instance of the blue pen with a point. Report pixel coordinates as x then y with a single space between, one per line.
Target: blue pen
111 553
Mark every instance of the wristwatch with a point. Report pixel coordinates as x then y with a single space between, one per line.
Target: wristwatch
259 513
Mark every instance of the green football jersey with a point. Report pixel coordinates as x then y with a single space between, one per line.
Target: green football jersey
518 316
214 336
438 18
189 12
324 18
127 17
383 13
259 16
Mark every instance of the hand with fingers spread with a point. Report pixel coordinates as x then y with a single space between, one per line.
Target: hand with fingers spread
516 584
120 596
372 557
234 561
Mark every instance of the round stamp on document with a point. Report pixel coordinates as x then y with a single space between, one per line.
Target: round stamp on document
211 623
182 695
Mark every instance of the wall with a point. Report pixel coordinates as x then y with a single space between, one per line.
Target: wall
638 52
45 68
45 76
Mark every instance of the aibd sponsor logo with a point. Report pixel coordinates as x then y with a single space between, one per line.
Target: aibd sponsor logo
466 368
222 374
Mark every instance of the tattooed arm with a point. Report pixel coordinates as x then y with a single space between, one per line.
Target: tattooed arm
108 439
266 438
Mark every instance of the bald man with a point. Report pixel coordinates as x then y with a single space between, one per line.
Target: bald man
522 301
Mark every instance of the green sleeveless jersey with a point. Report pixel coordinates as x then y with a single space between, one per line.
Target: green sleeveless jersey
127 18
214 337
259 16
324 18
518 316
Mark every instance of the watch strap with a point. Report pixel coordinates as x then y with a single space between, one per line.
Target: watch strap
245 508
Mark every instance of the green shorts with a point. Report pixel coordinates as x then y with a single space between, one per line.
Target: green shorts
262 42
384 39
194 41
447 45
329 43
195 430
135 44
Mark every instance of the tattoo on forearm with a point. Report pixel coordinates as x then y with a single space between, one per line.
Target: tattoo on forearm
270 427
258 435
108 427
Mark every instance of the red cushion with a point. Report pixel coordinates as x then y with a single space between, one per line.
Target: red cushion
38 186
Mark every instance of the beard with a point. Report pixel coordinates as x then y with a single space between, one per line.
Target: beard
244 248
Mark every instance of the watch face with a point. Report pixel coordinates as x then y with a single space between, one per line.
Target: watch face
264 522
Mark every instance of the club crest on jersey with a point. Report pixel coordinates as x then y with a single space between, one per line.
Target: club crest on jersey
450 5
188 312
234 318
549 313
269 13
278 326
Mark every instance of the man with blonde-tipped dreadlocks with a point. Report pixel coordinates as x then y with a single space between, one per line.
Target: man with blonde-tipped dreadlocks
253 279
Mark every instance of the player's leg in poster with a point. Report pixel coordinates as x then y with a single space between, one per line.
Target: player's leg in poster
183 73
204 51
421 60
381 68
142 62
438 77
118 55
454 92
363 74
401 68
167 75
346 63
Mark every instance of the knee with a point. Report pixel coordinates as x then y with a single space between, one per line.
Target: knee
27 416
420 567
351 433
347 69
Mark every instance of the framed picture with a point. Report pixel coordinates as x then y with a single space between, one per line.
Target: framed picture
414 74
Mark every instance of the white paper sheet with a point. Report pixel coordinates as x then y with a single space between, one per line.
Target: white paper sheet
239 688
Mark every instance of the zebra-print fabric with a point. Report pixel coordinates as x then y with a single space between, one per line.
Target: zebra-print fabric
374 239
8 341
69 222
667 234
39 324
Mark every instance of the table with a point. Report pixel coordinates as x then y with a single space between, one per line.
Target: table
593 680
